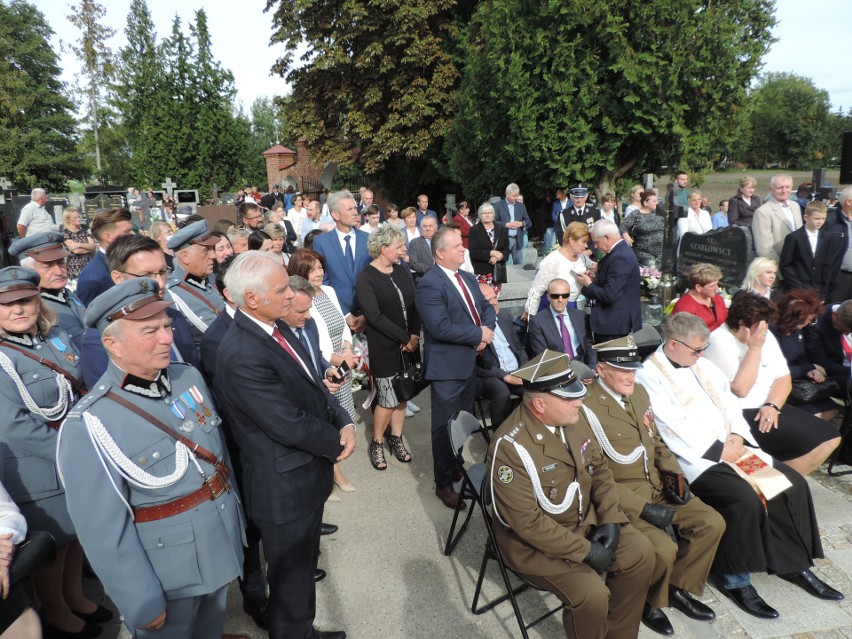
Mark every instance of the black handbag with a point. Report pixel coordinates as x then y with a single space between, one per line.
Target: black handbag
805 391
498 276
410 379
35 552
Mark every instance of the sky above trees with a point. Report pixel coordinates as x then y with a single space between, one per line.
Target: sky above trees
811 42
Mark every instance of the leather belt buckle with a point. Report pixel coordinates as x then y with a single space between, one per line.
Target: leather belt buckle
218 485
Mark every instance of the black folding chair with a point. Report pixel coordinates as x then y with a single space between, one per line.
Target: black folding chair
492 553
842 454
460 427
484 426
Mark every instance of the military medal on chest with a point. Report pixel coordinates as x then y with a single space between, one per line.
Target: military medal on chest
62 348
189 401
180 412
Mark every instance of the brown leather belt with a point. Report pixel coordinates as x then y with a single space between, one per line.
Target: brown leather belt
212 489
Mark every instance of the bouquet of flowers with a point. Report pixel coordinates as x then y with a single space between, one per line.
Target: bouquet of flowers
650 277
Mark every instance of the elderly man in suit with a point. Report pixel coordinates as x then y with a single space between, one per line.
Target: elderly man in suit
839 225
556 516
420 248
616 289
652 490
457 325
497 361
146 471
345 253
776 219
290 431
563 329
511 213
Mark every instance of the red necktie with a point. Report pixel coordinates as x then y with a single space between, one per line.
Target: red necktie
468 299
278 337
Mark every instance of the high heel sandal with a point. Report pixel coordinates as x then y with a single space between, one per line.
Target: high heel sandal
377 455
397 447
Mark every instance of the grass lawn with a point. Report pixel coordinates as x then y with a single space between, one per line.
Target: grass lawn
724 184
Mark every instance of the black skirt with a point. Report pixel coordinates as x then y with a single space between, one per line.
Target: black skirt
798 432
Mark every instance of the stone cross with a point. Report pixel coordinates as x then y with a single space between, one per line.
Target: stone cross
5 184
168 185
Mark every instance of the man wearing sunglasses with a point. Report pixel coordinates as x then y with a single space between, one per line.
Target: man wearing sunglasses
563 329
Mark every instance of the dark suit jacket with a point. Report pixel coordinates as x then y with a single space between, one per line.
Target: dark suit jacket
741 212
94 358
488 364
800 268
286 423
451 337
822 342
545 334
420 255
210 342
501 215
94 279
480 247
616 291
337 274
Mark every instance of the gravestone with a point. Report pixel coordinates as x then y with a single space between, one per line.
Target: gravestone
168 185
729 249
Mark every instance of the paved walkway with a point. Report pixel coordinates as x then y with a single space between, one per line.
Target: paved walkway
388 576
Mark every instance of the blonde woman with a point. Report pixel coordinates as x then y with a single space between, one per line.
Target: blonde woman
77 241
760 277
564 263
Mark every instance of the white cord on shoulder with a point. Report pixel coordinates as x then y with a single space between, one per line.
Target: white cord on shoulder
608 450
546 505
107 447
50 413
187 312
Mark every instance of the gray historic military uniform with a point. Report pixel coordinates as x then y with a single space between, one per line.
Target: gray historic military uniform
49 246
35 398
160 524
195 297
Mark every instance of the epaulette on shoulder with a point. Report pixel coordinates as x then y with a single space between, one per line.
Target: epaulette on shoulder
514 432
88 400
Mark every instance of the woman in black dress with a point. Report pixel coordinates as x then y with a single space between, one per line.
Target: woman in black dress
797 309
488 244
385 292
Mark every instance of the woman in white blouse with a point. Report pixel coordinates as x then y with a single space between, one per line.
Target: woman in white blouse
565 262
297 214
697 220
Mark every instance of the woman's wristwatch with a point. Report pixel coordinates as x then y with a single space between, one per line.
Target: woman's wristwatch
771 405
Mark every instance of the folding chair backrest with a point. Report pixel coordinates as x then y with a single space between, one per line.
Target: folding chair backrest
462 425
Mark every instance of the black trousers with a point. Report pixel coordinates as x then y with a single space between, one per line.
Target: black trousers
781 539
253 583
500 394
291 550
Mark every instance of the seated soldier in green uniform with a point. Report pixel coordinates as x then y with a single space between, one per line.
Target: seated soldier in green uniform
557 520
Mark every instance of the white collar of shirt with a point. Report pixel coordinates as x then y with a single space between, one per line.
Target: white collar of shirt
813 234
614 245
341 237
268 329
230 311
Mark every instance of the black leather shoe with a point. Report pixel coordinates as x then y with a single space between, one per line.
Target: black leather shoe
330 634
327 529
688 605
657 621
808 581
258 611
101 615
748 599
319 575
